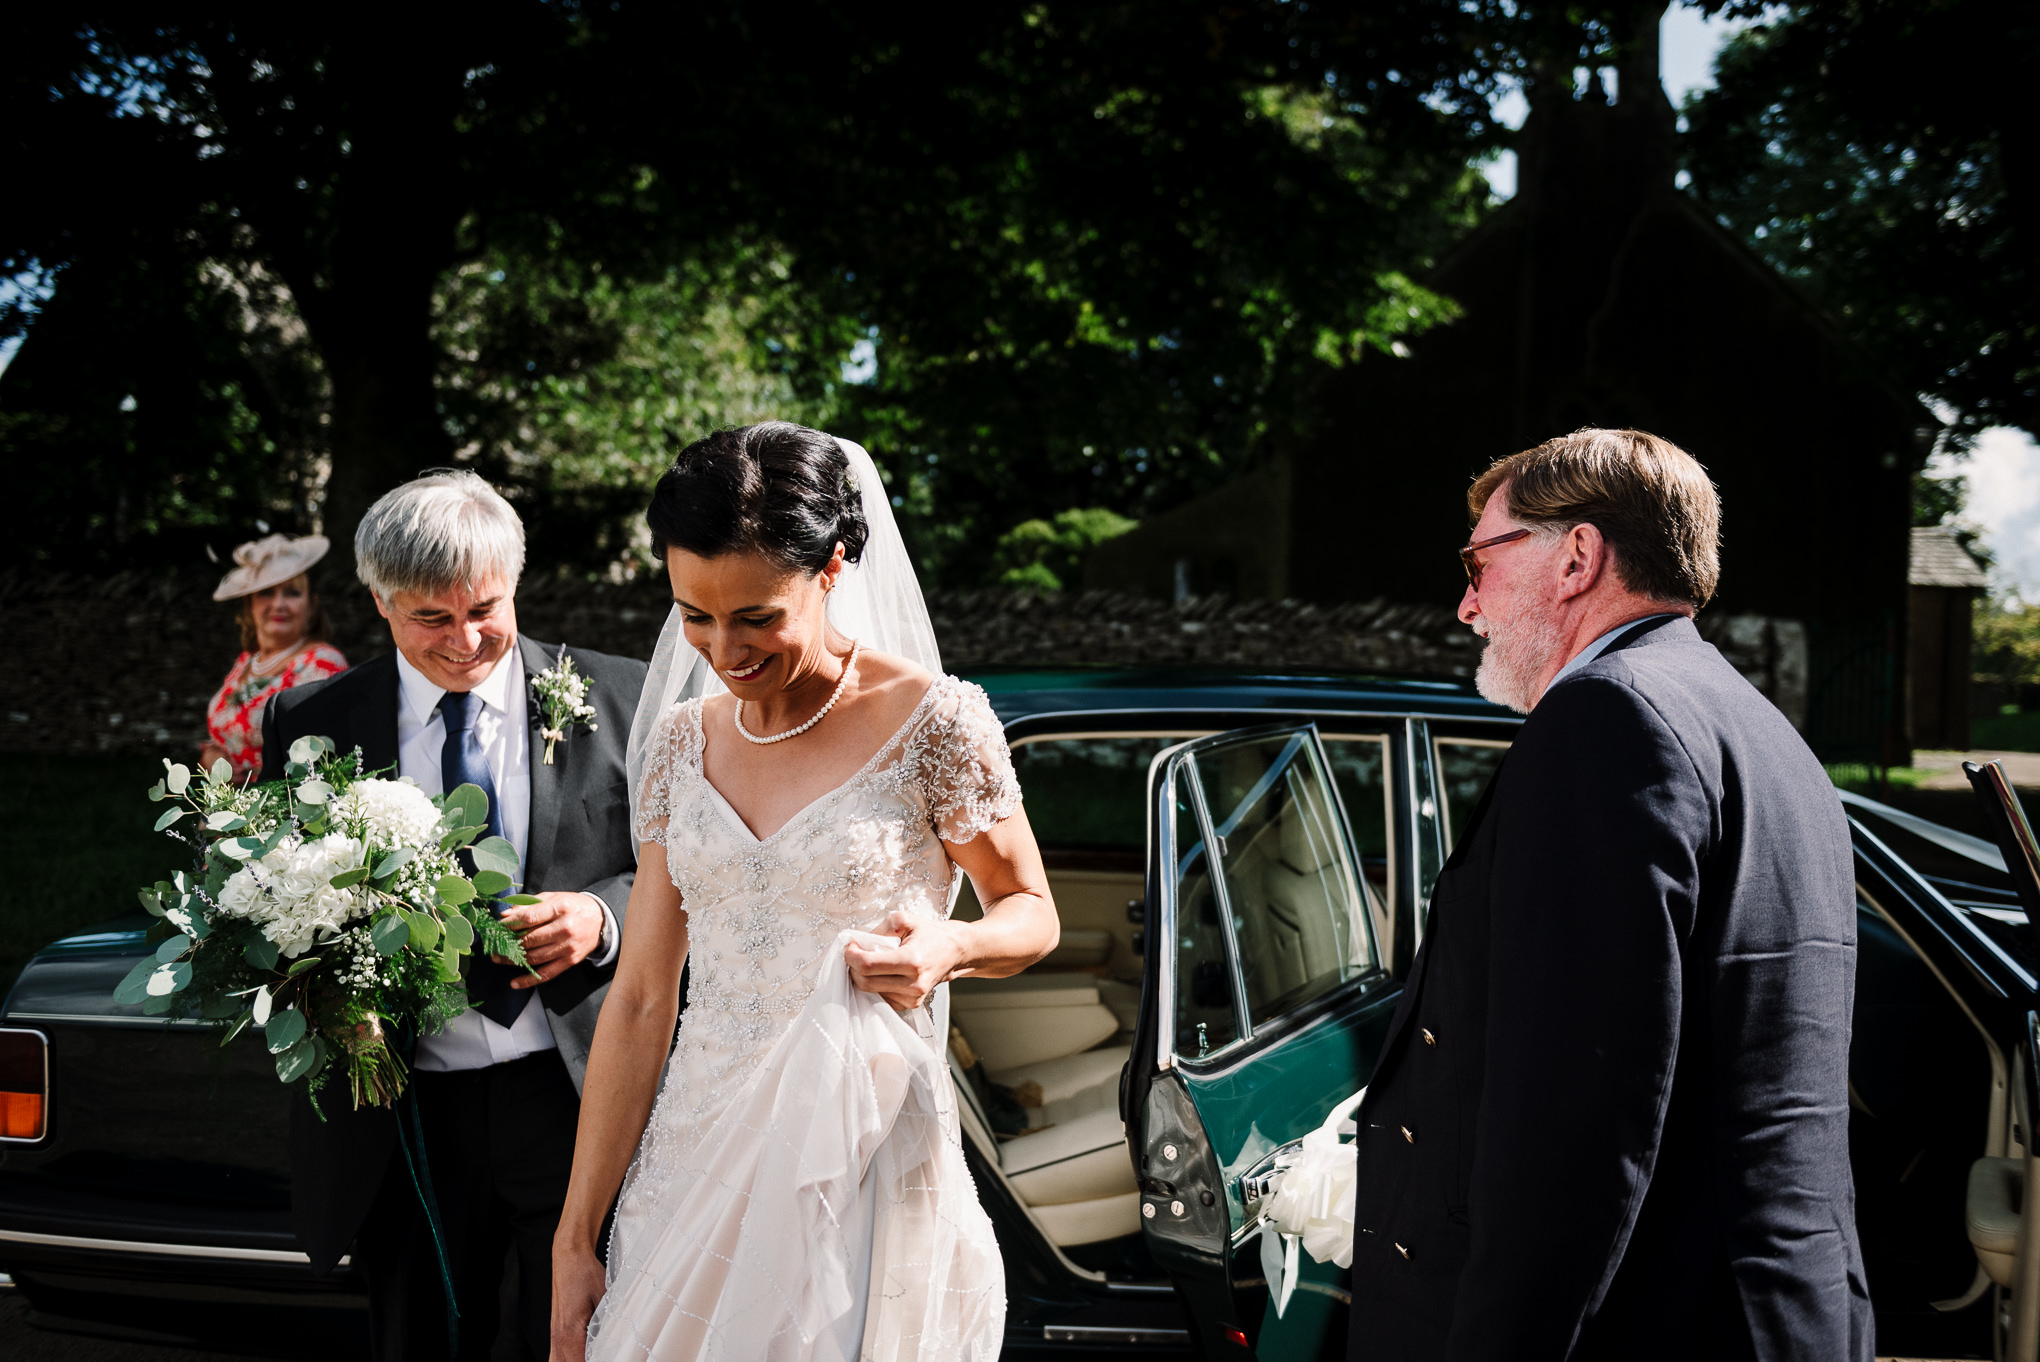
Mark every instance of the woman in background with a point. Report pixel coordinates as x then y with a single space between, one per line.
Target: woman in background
283 632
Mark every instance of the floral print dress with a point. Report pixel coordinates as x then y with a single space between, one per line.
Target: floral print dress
234 718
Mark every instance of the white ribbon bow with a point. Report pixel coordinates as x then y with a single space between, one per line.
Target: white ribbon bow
1313 1204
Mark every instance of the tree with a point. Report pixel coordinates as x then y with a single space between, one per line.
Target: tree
1840 144
1098 253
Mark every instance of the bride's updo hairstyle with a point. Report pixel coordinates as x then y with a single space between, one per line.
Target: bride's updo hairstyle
775 488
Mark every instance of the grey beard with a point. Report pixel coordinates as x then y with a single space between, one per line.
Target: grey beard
1514 659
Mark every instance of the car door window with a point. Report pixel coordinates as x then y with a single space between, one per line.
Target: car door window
1088 792
1359 765
1464 766
1292 922
1207 1017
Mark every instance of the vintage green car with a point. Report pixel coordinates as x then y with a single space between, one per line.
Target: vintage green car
1241 862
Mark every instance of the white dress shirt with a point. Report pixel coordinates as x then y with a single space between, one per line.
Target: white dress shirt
1599 646
503 729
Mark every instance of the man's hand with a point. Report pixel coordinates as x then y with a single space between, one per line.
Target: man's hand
559 931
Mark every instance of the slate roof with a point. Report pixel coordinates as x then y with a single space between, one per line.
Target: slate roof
1938 559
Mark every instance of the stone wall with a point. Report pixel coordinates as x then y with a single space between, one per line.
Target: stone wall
127 663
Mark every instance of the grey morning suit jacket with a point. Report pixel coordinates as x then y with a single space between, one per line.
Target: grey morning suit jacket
580 840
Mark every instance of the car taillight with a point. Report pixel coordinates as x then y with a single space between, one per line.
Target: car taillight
24 1084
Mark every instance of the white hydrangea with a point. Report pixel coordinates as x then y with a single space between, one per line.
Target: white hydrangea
389 814
289 893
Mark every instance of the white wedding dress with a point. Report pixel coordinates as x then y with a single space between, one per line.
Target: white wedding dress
800 1191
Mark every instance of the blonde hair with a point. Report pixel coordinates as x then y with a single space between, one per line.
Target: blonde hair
316 628
1652 502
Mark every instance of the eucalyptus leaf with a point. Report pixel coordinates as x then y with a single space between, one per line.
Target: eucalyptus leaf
157 794
156 1004
135 987
261 953
493 853
489 883
518 900
424 931
460 934
284 1030
298 967
389 934
314 791
350 878
460 837
447 965
240 1025
264 1001
221 772
174 947
454 890
297 1061
169 816
395 861
166 979
178 778
465 805
152 902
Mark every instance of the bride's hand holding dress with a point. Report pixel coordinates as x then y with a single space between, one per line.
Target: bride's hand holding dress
1004 866
795 1189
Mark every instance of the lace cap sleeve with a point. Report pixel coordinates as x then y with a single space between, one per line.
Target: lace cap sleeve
671 745
966 765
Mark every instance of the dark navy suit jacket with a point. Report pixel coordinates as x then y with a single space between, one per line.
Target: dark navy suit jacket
1611 1116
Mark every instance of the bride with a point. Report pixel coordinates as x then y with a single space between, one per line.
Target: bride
808 789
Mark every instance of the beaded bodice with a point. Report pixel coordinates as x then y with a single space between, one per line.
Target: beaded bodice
762 912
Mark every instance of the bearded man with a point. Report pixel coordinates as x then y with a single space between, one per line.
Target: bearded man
1610 1119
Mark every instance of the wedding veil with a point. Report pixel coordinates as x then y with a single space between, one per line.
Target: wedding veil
878 602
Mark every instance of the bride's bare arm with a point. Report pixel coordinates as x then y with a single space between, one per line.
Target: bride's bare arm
1018 928
631 1042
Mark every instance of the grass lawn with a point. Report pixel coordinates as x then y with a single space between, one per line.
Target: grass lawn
78 832
2006 732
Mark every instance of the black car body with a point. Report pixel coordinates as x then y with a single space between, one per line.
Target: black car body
1190 1030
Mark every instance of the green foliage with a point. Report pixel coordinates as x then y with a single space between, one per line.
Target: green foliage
2007 635
1890 195
574 387
1047 555
2017 732
1938 499
1096 254
79 842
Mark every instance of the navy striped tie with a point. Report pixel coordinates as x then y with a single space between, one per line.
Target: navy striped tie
461 763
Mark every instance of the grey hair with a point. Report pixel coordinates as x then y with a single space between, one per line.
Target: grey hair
448 528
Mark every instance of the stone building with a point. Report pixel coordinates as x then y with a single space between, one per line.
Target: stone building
1943 585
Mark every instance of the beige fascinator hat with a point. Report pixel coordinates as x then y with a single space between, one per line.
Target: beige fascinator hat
270 562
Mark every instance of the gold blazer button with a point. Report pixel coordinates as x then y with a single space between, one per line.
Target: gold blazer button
1429 1039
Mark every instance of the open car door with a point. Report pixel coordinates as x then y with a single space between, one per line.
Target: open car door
1263 1005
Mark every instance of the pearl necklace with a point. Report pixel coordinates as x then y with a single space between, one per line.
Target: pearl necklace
257 667
834 696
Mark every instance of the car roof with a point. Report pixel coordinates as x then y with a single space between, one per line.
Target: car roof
1024 692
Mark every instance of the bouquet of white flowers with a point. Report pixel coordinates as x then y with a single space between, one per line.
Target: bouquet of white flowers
327 908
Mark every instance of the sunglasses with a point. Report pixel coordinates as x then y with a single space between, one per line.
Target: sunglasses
1473 565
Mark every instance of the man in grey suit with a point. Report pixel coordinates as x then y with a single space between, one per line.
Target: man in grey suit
495 1096
1611 1115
